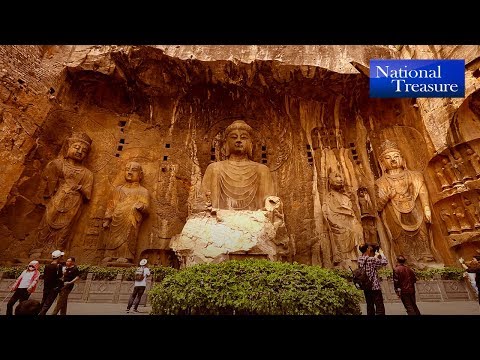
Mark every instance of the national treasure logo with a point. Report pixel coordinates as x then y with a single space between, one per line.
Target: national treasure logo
417 78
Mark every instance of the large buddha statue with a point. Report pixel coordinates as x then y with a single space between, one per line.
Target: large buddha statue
237 183
238 213
403 201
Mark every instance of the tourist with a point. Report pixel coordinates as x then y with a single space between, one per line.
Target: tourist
25 285
373 258
70 275
52 281
404 280
140 285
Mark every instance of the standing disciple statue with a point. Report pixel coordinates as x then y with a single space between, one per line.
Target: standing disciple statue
69 186
126 209
402 199
346 232
238 183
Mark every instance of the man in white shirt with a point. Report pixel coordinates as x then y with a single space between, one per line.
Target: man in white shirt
141 275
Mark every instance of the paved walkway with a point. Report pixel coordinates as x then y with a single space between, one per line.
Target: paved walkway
434 308
426 308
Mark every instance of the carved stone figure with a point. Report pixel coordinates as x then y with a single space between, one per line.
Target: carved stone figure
461 166
444 183
68 186
369 230
472 212
450 220
403 201
238 183
451 172
366 206
474 161
459 212
344 229
126 209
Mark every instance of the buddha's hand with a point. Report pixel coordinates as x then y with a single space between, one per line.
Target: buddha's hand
391 192
106 223
428 214
140 206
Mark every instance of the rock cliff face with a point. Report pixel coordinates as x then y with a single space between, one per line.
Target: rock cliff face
166 107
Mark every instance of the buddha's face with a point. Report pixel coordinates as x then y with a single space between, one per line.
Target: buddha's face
238 141
392 160
133 172
336 180
78 150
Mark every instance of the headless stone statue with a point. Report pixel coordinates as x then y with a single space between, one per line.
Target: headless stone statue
444 182
474 161
450 220
451 172
125 211
459 212
403 201
69 185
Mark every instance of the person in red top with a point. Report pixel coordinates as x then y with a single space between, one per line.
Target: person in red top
404 280
24 285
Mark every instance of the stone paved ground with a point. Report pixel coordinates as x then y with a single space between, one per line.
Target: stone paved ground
426 308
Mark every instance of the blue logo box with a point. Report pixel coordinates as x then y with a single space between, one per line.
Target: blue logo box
417 78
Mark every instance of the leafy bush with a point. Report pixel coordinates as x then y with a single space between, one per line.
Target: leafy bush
13 272
255 287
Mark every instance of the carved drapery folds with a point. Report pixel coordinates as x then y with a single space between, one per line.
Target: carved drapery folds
403 201
68 186
343 226
128 205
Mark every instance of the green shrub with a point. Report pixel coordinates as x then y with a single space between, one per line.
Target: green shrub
255 287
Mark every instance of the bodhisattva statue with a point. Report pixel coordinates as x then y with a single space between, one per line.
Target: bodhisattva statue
237 183
346 232
125 211
402 199
69 185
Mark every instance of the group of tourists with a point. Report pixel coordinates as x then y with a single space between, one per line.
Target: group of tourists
58 281
404 279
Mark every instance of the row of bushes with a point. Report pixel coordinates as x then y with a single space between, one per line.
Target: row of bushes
446 273
99 272
159 272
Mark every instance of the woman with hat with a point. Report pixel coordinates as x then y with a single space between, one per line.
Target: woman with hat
141 275
25 285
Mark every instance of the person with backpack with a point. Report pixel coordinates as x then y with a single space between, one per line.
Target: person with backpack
141 275
404 280
372 259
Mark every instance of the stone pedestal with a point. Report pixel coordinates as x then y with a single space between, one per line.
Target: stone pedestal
228 234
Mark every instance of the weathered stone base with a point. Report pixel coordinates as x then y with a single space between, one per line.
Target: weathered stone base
208 238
